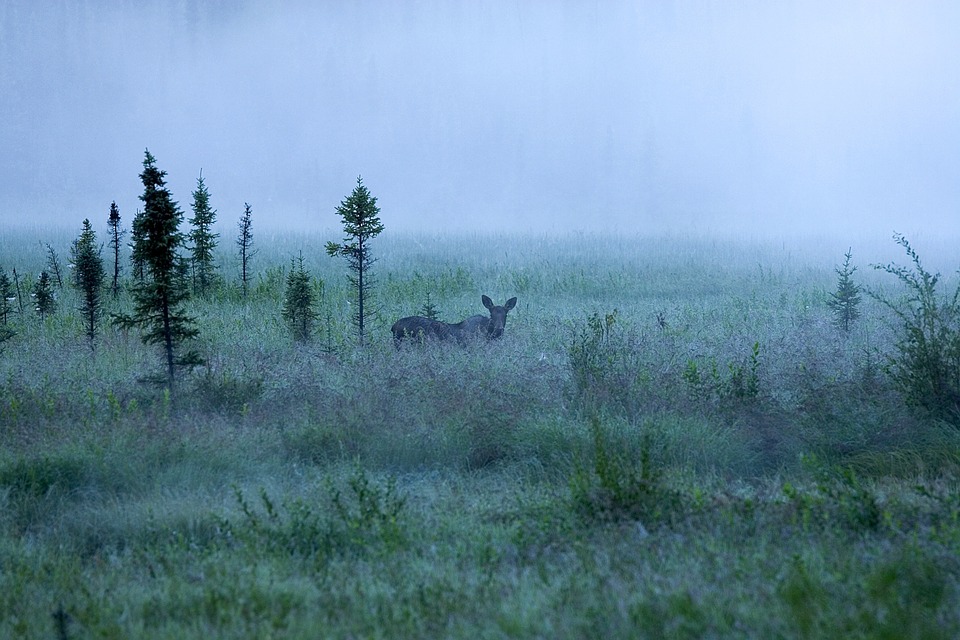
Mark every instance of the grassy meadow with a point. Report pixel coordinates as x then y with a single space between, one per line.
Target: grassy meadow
671 440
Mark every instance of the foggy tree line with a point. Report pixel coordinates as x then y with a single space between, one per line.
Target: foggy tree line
168 267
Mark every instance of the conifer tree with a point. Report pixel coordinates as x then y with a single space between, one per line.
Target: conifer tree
16 283
88 276
846 301
429 309
53 266
116 236
159 298
203 240
137 236
44 301
7 296
361 223
298 302
245 243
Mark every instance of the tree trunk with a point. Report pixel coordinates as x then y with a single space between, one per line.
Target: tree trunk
360 287
168 342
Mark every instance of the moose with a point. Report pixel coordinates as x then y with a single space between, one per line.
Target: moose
420 328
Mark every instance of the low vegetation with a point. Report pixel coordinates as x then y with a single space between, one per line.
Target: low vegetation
671 439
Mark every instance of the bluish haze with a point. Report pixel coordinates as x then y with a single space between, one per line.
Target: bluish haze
471 115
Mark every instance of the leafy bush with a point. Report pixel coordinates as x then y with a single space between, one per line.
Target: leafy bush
312 443
608 366
227 392
612 486
926 364
37 476
903 596
741 381
364 517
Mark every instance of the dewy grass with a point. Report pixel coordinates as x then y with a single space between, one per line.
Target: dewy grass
752 471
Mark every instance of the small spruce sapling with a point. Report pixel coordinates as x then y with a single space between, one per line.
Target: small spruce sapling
361 223
845 302
16 282
88 277
298 302
203 240
245 244
53 267
44 301
7 296
429 309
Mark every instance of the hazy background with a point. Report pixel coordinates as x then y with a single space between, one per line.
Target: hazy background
480 115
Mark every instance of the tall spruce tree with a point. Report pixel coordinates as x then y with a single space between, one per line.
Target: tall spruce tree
116 233
361 223
245 243
159 298
88 277
203 240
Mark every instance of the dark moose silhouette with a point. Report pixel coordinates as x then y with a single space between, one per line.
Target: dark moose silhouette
478 326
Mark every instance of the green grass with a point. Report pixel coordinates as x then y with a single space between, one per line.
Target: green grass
740 469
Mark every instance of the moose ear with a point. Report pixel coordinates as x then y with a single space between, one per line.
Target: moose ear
511 303
487 302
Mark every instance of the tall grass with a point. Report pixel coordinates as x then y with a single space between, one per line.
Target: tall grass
671 439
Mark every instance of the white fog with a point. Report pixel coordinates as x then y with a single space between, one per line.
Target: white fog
749 117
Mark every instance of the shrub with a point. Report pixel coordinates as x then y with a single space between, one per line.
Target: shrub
741 382
903 596
364 517
607 366
926 363
224 391
612 486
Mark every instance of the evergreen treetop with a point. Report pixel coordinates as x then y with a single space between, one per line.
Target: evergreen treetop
7 296
245 243
158 299
203 240
44 301
361 222
116 236
298 301
846 301
88 277
160 226
53 266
